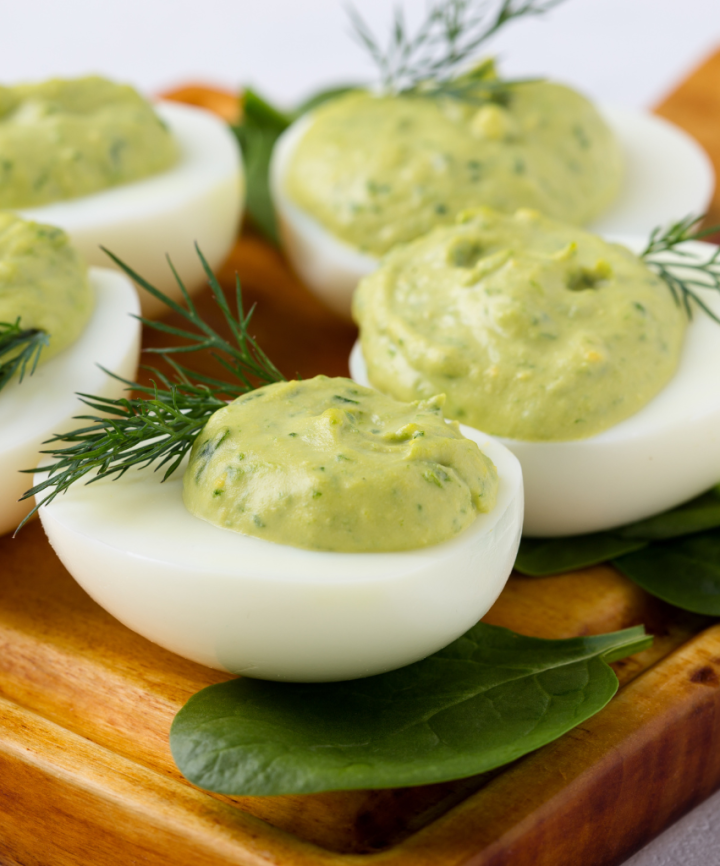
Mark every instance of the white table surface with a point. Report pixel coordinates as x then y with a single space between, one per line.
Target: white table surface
629 52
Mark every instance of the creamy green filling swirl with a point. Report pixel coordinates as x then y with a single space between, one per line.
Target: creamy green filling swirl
534 329
378 171
43 283
61 139
326 464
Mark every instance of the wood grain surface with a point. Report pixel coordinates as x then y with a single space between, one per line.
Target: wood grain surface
86 774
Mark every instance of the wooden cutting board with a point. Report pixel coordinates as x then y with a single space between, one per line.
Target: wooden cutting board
86 774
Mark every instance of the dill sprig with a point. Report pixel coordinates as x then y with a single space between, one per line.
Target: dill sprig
20 350
428 61
160 426
683 272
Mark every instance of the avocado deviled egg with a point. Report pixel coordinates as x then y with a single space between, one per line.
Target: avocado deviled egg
95 158
305 531
58 322
572 350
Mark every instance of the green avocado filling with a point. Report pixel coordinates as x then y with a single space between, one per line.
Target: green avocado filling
534 329
63 139
378 171
43 283
326 464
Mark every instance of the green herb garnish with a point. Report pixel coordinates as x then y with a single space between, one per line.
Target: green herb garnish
485 700
428 61
425 63
20 350
682 271
160 426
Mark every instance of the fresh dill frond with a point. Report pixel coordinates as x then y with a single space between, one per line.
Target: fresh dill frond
682 270
160 426
20 350
244 359
428 61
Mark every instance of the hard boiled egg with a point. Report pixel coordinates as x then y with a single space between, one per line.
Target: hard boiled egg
665 454
198 200
44 403
666 173
253 607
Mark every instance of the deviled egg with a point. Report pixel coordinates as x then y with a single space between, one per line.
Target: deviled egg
94 158
362 173
568 348
328 533
45 288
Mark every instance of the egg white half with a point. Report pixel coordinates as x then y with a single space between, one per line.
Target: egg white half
44 403
667 176
199 199
272 611
665 454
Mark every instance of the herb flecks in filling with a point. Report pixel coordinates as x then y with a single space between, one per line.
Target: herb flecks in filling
354 477
61 139
378 171
45 297
533 329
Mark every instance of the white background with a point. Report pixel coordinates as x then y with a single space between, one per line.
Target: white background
628 52
625 51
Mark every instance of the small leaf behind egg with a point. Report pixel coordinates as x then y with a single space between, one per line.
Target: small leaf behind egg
485 700
257 132
695 516
684 572
540 556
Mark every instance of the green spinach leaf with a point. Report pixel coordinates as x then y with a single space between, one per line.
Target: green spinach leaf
695 516
684 572
485 700
259 129
541 556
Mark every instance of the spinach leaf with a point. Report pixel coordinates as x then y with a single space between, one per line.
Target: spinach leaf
540 556
259 129
487 699
684 572
695 516
257 133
